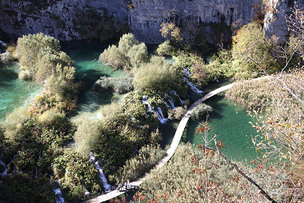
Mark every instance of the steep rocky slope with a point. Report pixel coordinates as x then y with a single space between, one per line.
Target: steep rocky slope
77 19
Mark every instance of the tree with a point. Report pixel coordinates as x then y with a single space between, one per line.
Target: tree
28 47
156 75
171 31
250 50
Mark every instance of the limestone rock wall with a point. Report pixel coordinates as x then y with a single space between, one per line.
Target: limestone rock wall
147 15
60 18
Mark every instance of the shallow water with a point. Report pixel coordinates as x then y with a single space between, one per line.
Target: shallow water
230 123
14 92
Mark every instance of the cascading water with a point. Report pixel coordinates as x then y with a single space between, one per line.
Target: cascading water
86 192
170 101
58 195
102 176
4 173
159 113
174 92
193 87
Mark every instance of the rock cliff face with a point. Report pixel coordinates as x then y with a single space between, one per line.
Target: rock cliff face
77 19
275 18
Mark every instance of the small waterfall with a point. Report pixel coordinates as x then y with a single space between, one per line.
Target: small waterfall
36 172
174 92
102 176
86 192
170 101
187 72
159 113
5 169
58 195
193 87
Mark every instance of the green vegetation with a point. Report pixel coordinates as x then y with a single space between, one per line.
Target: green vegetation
195 175
200 110
119 85
137 166
129 53
156 75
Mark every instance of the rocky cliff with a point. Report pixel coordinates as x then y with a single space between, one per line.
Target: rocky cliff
275 18
77 19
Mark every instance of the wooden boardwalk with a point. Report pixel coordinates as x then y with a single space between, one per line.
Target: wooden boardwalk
177 137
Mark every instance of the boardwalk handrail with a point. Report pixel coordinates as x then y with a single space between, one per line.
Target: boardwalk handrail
176 139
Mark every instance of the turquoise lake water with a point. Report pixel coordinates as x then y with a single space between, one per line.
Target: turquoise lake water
14 92
89 70
230 123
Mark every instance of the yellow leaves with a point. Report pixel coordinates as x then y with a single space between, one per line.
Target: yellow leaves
266 138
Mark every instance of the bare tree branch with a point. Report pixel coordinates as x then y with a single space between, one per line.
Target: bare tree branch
263 192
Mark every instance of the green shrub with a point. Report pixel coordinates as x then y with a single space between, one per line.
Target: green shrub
75 171
6 57
129 53
164 48
13 123
28 46
177 113
200 110
137 166
52 118
156 75
113 57
86 136
250 51
61 82
48 59
126 42
137 55
119 85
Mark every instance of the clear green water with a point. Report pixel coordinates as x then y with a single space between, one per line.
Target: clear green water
14 92
89 70
230 123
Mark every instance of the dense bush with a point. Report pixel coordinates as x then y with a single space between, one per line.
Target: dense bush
156 75
164 48
86 136
13 124
137 166
47 61
6 57
74 172
120 85
23 188
177 113
112 56
200 110
250 51
129 53
29 46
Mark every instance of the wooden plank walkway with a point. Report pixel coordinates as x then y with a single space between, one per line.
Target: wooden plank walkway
177 137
